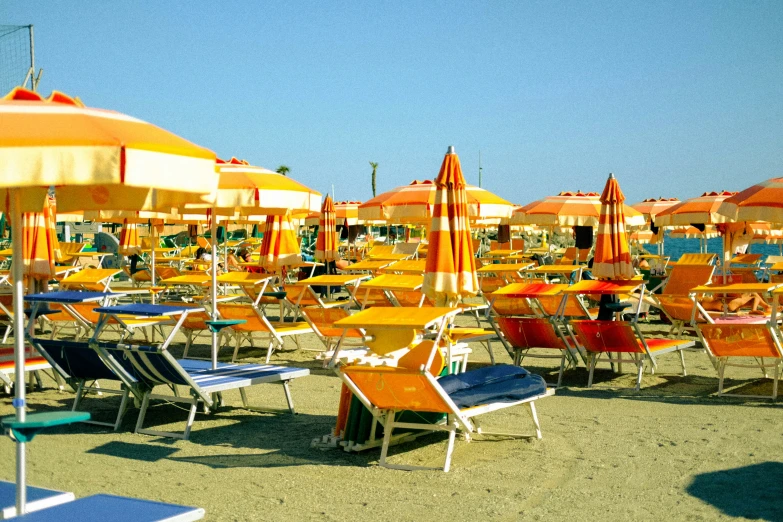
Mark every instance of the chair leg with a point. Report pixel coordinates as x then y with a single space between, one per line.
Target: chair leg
775 381
639 372
269 350
188 340
123 408
288 398
534 415
721 371
682 361
592 360
143 411
191 418
450 446
388 427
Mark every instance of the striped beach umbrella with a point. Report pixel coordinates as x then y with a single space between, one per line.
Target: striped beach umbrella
95 159
415 203
279 247
450 272
326 243
612 257
643 237
570 209
651 207
130 243
699 210
761 202
39 243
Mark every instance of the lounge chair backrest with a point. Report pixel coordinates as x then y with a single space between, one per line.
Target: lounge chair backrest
607 336
74 359
476 245
408 249
771 260
308 297
740 340
568 257
166 272
255 321
746 259
530 332
683 277
67 249
503 305
322 320
696 259
574 307
381 250
91 279
390 388
411 298
375 297
489 284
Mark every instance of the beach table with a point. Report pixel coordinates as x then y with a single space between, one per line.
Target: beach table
156 314
350 281
548 272
390 283
408 266
252 284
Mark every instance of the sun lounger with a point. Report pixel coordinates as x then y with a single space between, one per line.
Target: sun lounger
90 279
37 498
99 508
388 391
674 301
155 366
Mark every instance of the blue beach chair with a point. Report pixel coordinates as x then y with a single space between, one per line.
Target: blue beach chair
37 498
155 366
99 508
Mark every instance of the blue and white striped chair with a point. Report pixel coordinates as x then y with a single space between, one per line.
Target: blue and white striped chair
154 366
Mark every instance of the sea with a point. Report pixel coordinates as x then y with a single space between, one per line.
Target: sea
675 247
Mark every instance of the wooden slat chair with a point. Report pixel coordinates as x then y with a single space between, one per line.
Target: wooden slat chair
322 322
729 341
154 366
389 391
256 322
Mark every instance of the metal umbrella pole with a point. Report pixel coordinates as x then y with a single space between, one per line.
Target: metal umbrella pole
19 360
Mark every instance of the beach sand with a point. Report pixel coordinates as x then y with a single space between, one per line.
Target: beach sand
673 450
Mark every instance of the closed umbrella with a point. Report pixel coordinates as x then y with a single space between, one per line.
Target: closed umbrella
96 159
326 244
130 243
279 247
39 245
450 272
612 257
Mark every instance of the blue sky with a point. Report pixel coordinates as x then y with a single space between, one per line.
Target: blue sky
675 97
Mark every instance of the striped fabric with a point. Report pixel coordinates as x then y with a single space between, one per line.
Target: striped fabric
39 242
346 214
326 243
570 209
694 233
279 246
130 243
450 271
643 237
96 158
415 203
761 202
612 257
702 209
651 207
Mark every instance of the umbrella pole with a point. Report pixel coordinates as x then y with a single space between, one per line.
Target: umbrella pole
213 288
19 399
152 272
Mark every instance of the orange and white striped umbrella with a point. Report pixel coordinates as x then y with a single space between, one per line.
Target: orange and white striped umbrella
130 242
761 202
691 232
643 237
699 210
450 272
95 158
570 209
346 214
326 243
612 256
39 242
279 246
651 207
415 203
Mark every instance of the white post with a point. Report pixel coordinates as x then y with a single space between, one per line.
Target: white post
213 290
19 399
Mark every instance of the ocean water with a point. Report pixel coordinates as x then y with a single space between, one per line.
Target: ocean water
675 247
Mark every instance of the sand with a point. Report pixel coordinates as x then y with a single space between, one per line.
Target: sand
673 450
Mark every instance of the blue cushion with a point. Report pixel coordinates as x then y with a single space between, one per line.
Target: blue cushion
499 383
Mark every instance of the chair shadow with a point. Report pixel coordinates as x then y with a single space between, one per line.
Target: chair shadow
753 492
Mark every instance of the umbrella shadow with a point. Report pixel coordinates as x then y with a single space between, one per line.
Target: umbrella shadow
751 492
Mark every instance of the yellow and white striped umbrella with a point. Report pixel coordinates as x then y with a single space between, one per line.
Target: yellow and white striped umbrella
279 247
130 242
326 244
612 258
450 272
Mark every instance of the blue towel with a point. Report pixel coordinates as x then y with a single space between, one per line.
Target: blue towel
499 383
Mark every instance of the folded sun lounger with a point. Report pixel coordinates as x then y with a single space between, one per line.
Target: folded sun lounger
37 498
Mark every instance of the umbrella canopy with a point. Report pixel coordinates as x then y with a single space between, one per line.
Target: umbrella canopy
326 243
450 272
279 246
650 207
699 210
612 257
130 243
95 158
691 232
761 202
415 203
643 237
39 242
570 209
346 214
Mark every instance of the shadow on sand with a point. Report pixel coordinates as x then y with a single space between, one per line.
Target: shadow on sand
752 492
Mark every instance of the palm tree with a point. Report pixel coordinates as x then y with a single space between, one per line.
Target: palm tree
283 169
374 171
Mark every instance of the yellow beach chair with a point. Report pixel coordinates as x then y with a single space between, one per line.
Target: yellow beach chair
90 279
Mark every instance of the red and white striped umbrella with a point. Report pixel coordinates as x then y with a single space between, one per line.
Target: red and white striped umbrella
450 272
612 256
279 247
761 202
326 243
699 210
651 207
